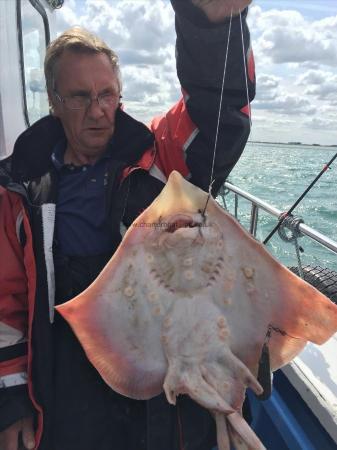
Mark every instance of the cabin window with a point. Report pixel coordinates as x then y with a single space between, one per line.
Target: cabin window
34 37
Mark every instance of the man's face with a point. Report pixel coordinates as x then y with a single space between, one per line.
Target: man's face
88 130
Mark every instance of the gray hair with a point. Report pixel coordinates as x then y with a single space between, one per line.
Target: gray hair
77 40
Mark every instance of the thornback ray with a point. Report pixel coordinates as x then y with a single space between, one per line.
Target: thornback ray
186 304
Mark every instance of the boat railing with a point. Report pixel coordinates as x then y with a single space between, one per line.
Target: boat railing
257 204
313 373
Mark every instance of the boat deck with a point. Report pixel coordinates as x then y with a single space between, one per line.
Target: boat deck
314 375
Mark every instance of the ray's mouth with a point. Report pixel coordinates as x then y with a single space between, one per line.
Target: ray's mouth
179 222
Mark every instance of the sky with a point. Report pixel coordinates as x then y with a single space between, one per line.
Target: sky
295 47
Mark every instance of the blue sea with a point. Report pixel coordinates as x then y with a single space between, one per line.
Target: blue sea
278 174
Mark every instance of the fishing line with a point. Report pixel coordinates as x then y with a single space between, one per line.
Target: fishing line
211 181
221 97
286 214
246 77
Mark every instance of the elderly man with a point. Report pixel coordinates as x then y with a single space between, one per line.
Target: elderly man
75 179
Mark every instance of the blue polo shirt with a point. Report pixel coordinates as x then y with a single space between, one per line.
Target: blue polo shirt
81 228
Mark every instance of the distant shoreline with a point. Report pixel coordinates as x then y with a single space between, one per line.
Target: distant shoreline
293 143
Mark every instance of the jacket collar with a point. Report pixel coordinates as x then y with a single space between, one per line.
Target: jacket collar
31 157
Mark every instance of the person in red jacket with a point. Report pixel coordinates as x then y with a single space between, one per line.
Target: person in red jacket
75 180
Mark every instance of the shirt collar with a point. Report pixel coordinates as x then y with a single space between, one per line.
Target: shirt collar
57 156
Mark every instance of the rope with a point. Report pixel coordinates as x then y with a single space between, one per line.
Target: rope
325 168
292 223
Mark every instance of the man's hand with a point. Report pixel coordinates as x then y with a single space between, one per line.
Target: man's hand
218 10
9 438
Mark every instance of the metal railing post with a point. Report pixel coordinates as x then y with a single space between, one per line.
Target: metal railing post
254 217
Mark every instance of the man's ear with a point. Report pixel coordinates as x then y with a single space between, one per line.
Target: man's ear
51 101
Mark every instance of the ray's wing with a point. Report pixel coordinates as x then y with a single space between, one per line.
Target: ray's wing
118 322
304 313
299 312
270 294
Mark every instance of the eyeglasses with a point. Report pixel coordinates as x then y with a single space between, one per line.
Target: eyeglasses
76 102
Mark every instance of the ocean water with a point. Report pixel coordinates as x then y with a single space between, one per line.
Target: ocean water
278 174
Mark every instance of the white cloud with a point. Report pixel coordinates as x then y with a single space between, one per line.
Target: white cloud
286 36
320 84
295 84
324 91
288 104
312 77
318 123
66 17
267 86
